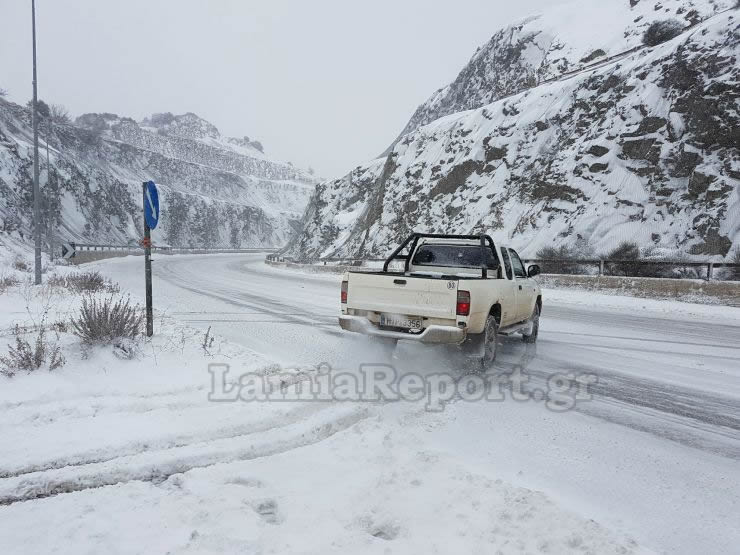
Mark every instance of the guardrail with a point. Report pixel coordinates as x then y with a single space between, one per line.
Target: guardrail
667 269
326 261
89 252
632 268
102 247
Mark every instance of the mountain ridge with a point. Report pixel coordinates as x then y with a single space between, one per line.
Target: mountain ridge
647 145
216 191
527 53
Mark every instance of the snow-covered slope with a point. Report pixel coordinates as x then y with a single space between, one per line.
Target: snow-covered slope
565 38
216 191
643 148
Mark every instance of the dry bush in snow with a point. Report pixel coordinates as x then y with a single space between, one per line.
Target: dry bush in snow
106 320
7 282
84 282
20 264
559 259
59 114
29 356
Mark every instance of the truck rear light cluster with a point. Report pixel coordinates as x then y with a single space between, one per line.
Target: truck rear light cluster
463 303
344 292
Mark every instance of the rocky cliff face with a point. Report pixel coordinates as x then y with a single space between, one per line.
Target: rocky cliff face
216 191
643 147
547 46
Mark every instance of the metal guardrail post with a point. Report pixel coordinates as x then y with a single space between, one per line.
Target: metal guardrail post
710 271
601 268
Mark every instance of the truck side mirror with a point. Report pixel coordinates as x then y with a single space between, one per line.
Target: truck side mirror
533 270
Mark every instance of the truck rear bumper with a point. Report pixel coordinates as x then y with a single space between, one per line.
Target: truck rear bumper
432 334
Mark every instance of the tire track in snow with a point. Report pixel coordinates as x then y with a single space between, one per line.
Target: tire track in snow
157 466
43 402
173 441
80 407
702 420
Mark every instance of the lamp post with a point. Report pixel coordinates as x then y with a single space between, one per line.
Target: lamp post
49 204
36 190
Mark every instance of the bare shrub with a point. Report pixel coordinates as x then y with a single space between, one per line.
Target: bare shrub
29 356
678 271
555 260
59 114
628 260
623 254
662 31
106 320
84 282
6 282
21 264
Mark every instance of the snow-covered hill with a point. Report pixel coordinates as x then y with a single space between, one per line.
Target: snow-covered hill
217 191
642 146
546 46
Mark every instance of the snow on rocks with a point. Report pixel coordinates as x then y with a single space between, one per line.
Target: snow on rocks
563 39
642 148
218 191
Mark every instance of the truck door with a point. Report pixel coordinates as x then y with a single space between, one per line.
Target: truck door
525 288
510 309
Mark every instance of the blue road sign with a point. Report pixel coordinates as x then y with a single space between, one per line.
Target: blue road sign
151 205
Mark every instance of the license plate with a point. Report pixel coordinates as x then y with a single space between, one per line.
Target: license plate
400 321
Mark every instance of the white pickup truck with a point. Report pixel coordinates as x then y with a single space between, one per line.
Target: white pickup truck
453 289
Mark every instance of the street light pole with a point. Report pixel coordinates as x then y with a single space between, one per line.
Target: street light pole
36 191
49 207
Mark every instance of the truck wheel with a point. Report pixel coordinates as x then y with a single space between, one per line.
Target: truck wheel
490 342
532 337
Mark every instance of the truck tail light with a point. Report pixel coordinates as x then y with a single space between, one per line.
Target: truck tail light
344 292
463 303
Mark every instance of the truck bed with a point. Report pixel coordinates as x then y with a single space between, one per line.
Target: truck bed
397 293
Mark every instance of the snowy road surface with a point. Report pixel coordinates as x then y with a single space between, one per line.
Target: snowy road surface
654 456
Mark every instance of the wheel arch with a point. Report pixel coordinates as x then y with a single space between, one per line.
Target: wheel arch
495 311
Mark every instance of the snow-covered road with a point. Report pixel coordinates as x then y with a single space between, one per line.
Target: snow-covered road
654 456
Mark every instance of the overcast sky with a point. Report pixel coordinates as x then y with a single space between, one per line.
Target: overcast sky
323 83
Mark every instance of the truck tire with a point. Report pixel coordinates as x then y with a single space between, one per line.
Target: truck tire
532 337
490 343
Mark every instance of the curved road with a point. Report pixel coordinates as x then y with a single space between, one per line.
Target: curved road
655 451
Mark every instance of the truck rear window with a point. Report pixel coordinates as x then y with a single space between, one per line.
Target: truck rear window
453 256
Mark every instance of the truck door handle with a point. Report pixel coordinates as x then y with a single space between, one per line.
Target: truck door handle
399 281
520 288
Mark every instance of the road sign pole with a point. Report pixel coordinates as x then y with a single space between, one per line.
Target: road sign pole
147 267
